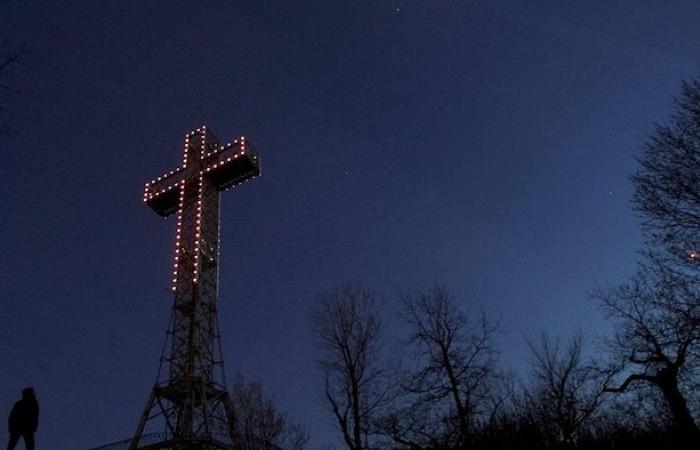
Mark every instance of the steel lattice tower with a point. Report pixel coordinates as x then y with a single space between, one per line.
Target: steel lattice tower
189 405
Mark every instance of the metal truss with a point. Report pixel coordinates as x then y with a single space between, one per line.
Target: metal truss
189 405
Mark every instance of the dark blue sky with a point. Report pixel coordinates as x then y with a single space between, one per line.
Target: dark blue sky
483 145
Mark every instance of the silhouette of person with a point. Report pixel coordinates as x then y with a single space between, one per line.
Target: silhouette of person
24 420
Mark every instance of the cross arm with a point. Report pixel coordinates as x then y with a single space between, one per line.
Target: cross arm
162 193
225 166
232 165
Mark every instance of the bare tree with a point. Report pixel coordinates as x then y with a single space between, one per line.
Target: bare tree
258 424
667 185
452 386
348 330
657 319
565 390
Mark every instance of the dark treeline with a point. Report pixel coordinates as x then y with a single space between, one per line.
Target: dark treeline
442 385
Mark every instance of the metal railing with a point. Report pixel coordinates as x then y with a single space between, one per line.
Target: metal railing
154 438
146 439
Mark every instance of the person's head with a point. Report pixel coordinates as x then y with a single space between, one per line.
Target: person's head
28 393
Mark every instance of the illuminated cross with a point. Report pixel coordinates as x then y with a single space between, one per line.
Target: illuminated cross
207 168
193 399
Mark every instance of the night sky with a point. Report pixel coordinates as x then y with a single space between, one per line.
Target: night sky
482 145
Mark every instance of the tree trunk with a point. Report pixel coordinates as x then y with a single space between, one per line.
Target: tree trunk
667 380
356 414
459 406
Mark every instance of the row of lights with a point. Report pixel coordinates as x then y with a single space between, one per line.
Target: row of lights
163 177
222 147
203 130
184 159
178 234
198 220
187 147
149 196
224 161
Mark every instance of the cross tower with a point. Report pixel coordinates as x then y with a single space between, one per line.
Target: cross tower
189 404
